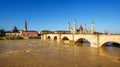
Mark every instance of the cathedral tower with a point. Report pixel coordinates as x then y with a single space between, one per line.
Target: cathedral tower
81 29
92 28
25 26
75 27
85 29
69 26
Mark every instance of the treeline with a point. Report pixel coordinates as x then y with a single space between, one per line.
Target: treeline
34 37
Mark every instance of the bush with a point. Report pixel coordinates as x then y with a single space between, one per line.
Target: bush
14 37
34 37
19 37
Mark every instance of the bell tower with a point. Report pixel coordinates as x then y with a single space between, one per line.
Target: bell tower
92 28
69 26
75 27
25 26
85 29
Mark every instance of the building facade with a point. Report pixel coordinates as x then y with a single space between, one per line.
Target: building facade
29 33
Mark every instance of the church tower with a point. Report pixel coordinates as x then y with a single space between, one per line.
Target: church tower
81 29
69 26
92 28
25 26
75 27
85 29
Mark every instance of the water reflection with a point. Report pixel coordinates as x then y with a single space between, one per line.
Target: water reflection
111 51
82 42
36 53
111 44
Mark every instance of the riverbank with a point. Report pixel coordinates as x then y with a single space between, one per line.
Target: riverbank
19 37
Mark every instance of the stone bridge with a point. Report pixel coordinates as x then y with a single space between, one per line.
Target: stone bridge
95 40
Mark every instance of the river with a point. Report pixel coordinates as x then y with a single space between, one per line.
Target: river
38 53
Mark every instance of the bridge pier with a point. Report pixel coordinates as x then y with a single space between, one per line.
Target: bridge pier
96 45
59 38
44 37
95 41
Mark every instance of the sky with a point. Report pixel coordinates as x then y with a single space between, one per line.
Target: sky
55 14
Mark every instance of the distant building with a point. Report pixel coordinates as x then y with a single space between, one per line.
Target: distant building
25 32
55 32
81 29
29 33
46 32
75 30
13 32
62 32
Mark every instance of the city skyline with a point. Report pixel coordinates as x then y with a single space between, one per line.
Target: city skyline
55 14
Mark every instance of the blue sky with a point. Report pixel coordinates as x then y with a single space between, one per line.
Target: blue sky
55 14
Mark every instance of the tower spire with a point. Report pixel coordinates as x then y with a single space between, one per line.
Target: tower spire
25 26
85 29
81 29
69 26
92 28
75 26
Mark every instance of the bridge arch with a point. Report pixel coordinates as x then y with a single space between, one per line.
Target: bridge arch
48 38
65 39
110 43
82 41
104 39
55 38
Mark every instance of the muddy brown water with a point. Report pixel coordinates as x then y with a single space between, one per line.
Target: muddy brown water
37 53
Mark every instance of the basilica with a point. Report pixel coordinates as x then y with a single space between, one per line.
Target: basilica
81 29
74 30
